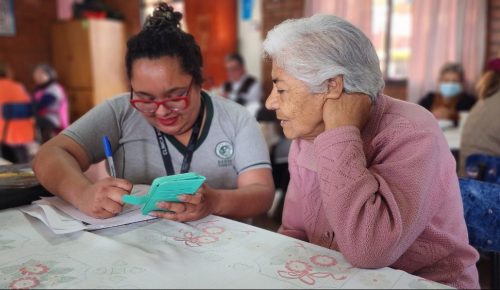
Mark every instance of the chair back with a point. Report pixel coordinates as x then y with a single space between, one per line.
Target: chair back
483 167
12 112
482 213
17 110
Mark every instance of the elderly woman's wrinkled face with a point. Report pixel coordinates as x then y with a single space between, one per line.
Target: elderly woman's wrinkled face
300 112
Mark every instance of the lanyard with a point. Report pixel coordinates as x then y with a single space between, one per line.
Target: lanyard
186 163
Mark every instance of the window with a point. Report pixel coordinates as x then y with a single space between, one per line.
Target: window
391 29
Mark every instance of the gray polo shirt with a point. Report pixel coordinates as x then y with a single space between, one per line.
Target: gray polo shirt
230 142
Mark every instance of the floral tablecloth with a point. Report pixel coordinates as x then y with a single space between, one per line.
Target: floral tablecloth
211 253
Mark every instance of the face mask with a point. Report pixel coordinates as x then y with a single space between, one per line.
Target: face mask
450 89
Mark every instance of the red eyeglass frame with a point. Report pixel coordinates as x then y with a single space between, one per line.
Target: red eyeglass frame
184 98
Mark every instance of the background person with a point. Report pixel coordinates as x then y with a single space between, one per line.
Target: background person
241 87
17 125
165 125
450 99
481 132
51 102
370 176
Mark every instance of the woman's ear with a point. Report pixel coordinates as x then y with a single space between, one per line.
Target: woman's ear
335 87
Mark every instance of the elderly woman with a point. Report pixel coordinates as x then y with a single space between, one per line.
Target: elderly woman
371 176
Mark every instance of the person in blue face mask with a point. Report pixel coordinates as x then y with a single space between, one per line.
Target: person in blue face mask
450 97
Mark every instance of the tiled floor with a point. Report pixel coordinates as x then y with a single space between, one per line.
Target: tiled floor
484 264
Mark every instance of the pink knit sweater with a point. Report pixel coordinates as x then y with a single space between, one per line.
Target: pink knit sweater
387 196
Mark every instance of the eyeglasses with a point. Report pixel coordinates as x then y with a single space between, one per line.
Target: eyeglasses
175 104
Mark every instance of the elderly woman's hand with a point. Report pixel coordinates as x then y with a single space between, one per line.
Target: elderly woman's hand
347 110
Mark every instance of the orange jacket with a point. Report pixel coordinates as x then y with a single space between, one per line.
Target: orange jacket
20 130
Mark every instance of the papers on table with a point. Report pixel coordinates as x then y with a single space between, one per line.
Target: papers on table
56 220
61 217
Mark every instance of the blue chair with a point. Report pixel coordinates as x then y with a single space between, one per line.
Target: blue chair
483 167
10 113
482 215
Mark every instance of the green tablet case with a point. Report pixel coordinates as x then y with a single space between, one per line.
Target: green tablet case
166 188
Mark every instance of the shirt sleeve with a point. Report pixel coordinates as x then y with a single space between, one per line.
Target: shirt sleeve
377 212
91 127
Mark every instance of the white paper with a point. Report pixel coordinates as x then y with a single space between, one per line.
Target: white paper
57 221
61 217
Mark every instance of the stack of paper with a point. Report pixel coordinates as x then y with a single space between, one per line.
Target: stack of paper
166 188
61 217
57 221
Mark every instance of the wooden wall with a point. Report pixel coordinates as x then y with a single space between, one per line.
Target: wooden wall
131 11
214 29
31 44
275 12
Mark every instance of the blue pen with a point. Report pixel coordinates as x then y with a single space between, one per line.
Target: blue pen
109 155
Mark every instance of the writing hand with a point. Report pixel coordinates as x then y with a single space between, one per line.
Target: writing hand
103 199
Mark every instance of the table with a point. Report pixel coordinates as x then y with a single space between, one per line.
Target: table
210 253
4 161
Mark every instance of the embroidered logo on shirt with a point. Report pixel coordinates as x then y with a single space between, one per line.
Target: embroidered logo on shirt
224 150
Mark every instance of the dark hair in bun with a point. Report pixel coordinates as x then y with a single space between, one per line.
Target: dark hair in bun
162 36
163 16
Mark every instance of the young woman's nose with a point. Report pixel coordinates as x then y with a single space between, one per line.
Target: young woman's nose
162 110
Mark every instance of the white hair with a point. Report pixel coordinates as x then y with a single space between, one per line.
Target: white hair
321 47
